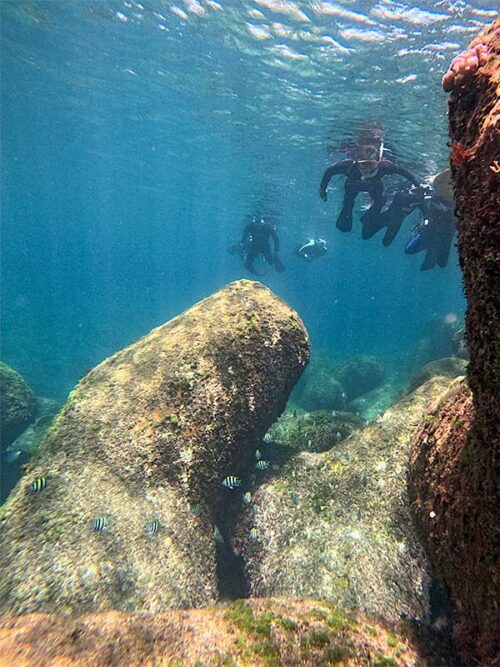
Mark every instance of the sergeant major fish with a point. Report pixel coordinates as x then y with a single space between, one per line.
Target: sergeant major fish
231 482
262 465
152 527
99 524
39 484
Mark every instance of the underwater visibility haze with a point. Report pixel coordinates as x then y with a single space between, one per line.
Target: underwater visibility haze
138 140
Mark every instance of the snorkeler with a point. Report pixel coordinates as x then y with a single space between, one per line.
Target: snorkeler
255 241
312 249
435 232
364 173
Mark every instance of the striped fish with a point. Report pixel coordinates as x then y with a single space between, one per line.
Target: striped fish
38 485
231 482
152 527
262 465
99 524
247 498
253 534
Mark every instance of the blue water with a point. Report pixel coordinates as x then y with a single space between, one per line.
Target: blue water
137 136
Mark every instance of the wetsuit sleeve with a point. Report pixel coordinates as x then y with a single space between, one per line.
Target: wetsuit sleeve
276 240
337 168
391 168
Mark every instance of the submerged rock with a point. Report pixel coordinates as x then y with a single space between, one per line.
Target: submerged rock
360 375
253 633
314 431
450 367
322 392
337 525
456 452
17 404
375 402
148 436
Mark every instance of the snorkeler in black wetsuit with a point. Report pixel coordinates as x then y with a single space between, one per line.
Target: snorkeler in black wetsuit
255 241
363 174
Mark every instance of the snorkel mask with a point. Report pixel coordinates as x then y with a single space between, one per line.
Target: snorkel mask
368 157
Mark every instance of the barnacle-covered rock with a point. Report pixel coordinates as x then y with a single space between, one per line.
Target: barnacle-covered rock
314 431
450 367
17 404
455 468
148 435
337 525
253 633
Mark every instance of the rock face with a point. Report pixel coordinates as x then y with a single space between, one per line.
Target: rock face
17 404
148 435
322 392
314 431
254 633
455 468
337 525
450 367
360 375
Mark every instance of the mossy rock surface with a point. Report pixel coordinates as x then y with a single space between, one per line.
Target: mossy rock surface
252 633
150 434
17 405
337 525
360 375
314 431
450 367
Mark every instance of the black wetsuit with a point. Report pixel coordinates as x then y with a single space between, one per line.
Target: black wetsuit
434 233
255 241
354 184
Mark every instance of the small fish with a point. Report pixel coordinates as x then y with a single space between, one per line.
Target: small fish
38 484
262 465
196 509
218 535
231 482
267 438
247 498
258 455
254 534
294 413
152 527
99 524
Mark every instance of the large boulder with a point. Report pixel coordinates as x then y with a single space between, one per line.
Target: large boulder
17 405
253 633
148 435
455 471
360 375
450 367
337 525
319 389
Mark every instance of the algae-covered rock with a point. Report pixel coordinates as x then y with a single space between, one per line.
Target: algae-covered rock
148 435
314 431
450 367
322 391
337 525
360 375
455 472
374 403
17 405
253 633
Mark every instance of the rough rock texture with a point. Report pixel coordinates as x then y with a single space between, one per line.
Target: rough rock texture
270 633
460 344
314 431
360 375
17 405
375 402
337 525
149 434
322 392
455 469
450 367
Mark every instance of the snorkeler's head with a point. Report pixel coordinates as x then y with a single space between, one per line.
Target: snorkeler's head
368 156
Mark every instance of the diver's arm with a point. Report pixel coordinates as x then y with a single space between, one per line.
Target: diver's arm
391 168
337 168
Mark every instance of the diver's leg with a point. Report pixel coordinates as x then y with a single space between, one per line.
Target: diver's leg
249 260
372 219
344 221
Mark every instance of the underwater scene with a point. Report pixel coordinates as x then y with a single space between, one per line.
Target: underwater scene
240 368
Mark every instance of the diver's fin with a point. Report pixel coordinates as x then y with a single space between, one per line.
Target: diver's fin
344 221
371 225
429 261
392 231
